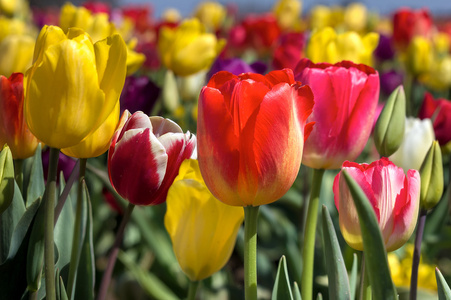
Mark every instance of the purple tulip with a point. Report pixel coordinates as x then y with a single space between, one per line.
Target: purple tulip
385 49
390 80
236 66
139 94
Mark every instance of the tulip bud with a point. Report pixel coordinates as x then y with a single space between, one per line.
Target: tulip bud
431 172
203 230
6 178
389 131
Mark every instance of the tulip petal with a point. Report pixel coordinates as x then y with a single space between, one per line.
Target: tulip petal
138 165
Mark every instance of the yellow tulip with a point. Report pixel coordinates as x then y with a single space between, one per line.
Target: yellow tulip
442 43
17 54
320 17
12 26
97 142
419 56
134 59
188 49
73 85
288 13
327 46
15 8
439 75
355 17
203 230
97 25
211 14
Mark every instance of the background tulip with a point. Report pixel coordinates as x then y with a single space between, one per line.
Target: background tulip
418 137
394 196
13 128
145 156
203 230
440 111
346 96
17 54
87 80
188 49
251 130
408 23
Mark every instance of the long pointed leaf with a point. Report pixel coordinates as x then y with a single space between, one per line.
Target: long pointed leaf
353 276
336 269
296 292
282 289
443 290
36 184
373 245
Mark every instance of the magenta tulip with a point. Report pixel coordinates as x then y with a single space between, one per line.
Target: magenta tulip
394 196
346 96
145 157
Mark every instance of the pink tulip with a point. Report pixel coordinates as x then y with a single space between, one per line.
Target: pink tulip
394 196
145 157
251 131
346 96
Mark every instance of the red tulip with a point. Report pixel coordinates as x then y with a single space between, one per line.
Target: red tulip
145 157
13 128
289 50
346 96
394 196
408 23
439 110
251 130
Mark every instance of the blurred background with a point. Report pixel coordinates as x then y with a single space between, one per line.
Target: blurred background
185 7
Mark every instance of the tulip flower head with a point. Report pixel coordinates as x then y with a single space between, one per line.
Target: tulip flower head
145 156
73 85
438 110
203 230
251 131
346 96
13 128
394 196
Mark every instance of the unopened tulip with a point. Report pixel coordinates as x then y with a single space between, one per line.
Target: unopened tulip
87 80
13 128
328 46
203 230
418 137
145 157
6 178
431 172
346 96
188 49
394 196
389 130
251 131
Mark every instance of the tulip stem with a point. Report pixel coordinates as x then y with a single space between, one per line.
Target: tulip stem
365 287
18 173
79 232
113 254
417 254
250 252
49 206
308 247
193 286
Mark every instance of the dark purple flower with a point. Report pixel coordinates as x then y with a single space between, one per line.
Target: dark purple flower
65 164
385 49
139 94
390 80
236 66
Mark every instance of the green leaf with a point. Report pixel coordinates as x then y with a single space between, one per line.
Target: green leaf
336 269
296 292
8 222
35 255
6 178
373 245
36 184
154 287
282 289
64 230
353 276
62 290
443 290
84 287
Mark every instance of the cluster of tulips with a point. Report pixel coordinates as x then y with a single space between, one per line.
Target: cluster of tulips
201 123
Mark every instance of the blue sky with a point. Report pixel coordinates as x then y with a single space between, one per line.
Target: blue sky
382 6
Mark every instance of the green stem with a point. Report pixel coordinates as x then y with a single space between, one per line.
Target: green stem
365 287
18 173
417 254
308 249
193 290
49 200
113 254
79 233
250 252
